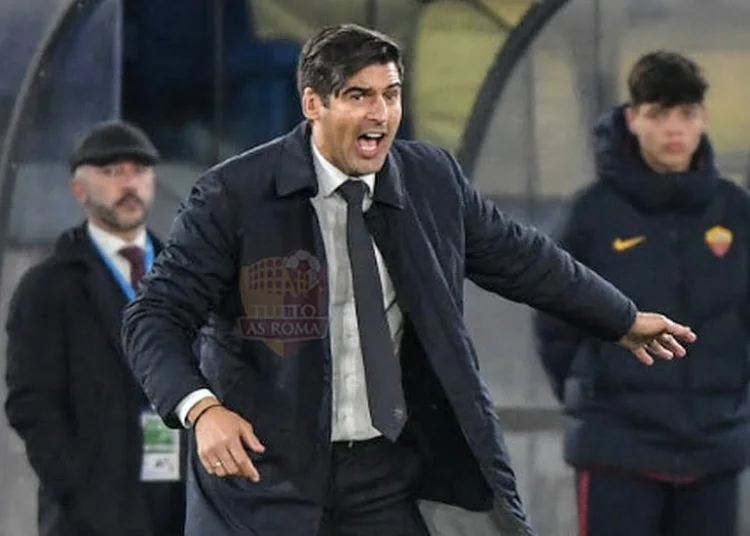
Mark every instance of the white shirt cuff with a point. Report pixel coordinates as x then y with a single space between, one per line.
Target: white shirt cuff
187 403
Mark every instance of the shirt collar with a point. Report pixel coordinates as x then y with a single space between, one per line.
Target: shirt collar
111 244
330 177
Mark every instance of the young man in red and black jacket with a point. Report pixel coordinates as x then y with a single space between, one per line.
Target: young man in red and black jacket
658 451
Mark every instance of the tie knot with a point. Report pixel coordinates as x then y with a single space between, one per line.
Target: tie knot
353 191
134 254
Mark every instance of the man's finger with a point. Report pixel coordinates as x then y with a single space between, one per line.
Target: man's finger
250 439
244 463
680 332
208 460
215 467
656 349
643 356
228 464
670 343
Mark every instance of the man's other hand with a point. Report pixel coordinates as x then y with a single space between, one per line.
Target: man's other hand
221 436
654 335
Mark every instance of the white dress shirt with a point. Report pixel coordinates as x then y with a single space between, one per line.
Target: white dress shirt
351 415
110 245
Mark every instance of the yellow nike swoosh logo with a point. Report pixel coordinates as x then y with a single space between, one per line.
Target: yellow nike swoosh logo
623 244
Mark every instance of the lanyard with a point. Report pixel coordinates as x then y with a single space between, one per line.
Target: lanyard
148 259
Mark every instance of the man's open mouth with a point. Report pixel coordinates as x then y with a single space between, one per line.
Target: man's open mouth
369 143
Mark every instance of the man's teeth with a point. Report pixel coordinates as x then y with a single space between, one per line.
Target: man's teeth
372 136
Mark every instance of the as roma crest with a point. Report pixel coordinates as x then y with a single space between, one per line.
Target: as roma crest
284 301
719 240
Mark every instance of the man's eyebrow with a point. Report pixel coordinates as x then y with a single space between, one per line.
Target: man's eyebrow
356 89
361 89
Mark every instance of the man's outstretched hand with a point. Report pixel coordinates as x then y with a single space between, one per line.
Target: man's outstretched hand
654 335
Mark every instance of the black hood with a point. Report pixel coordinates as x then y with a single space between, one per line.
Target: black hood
619 163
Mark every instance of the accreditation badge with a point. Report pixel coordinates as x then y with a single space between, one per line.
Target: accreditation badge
161 450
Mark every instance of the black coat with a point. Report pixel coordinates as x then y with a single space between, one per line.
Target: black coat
236 237
74 402
677 243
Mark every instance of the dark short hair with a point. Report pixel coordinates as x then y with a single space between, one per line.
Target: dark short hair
336 53
666 78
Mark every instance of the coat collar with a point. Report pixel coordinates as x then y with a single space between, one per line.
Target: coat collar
76 248
295 172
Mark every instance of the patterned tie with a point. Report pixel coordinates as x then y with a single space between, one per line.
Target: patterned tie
136 257
382 367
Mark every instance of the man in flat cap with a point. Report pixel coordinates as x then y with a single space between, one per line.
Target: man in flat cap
106 463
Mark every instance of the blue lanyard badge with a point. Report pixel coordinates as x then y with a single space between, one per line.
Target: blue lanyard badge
148 259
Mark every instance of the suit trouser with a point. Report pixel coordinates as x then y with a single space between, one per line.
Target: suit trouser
371 491
612 503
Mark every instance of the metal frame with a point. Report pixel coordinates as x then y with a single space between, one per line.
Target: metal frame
497 79
67 16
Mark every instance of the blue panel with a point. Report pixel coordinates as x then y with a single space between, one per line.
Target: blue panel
169 78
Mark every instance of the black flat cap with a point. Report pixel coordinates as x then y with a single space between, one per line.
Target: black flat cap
111 141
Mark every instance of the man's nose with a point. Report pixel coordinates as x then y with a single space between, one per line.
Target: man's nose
674 124
378 110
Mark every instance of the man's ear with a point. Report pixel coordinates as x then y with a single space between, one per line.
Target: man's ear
631 111
78 188
704 113
311 104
